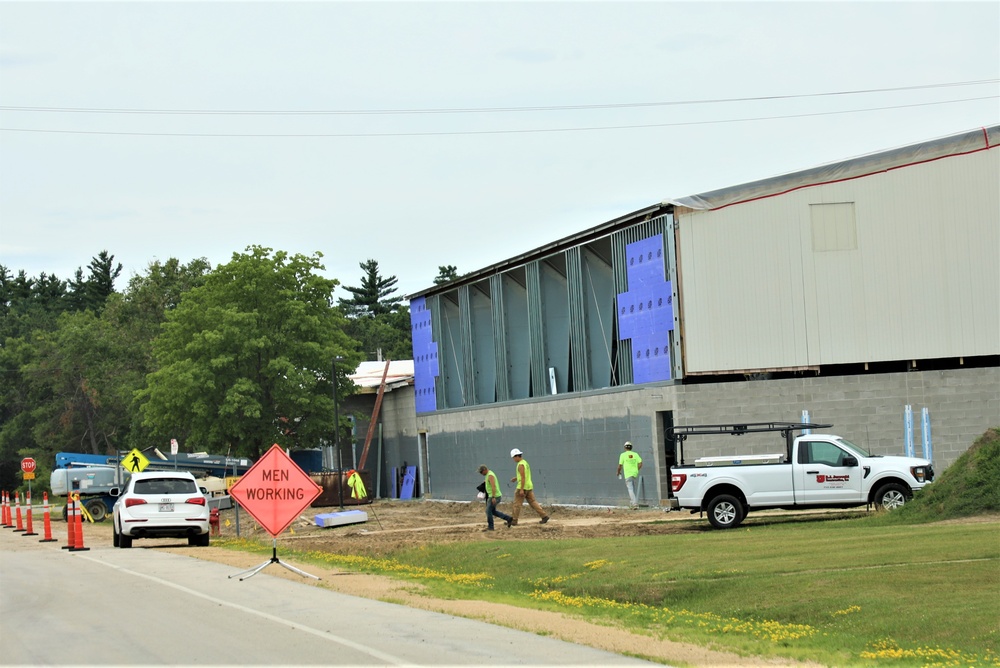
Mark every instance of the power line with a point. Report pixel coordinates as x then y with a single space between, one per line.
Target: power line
497 132
480 110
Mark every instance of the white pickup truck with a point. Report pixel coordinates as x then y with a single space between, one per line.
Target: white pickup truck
814 471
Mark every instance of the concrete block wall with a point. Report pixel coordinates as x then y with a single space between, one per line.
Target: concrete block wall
573 441
866 409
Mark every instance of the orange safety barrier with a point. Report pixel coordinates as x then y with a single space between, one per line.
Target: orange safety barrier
47 520
78 545
17 505
70 523
31 529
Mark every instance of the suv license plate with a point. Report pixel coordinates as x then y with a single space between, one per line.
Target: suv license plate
166 507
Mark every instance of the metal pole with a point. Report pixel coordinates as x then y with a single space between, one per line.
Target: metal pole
336 437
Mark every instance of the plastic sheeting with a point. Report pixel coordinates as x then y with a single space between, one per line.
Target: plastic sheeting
881 161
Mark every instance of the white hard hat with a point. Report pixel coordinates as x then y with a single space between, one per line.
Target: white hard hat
515 452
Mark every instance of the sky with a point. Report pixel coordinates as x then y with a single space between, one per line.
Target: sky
424 134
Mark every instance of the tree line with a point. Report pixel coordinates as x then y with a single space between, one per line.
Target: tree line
225 359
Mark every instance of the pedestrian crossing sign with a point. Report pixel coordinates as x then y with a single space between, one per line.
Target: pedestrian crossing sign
134 462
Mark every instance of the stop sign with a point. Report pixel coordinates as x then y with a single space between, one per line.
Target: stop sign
28 465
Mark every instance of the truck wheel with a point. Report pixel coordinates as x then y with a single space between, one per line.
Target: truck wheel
891 496
115 539
725 512
124 541
97 509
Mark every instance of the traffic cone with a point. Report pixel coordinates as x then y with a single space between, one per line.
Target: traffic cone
78 546
47 520
70 523
17 504
5 512
31 529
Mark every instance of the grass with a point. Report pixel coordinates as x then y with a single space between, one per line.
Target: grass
967 487
897 589
838 592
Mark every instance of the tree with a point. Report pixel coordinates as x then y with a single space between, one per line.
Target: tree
245 359
446 274
27 303
69 376
373 297
80 377
376 320
92 292
382 337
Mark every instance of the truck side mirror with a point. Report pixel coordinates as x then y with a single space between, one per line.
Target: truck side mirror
850 461
115 491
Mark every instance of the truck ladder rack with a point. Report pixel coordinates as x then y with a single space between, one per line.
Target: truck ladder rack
680 433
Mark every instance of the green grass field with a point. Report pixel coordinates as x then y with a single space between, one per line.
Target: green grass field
848 592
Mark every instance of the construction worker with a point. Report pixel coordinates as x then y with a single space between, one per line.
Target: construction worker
629 464
525 490
493 495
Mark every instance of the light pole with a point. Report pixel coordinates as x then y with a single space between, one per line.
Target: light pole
336 434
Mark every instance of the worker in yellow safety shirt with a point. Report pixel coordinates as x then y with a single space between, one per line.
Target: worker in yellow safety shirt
493 495
629 464
358 490
525 489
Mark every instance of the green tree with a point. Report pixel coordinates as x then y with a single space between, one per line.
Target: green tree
377 320
28 303
79 377
446 274
28 307
93 291
374 297
384 337
69 379
244 360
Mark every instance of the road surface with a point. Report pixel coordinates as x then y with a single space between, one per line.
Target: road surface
146 606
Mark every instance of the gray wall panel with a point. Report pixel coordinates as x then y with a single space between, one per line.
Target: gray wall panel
573 441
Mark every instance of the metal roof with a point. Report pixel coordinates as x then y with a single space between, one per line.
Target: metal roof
961 143
577 239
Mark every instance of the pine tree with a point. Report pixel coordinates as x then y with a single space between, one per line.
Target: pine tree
373 298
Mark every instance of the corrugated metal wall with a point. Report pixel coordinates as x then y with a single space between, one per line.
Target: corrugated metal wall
779 283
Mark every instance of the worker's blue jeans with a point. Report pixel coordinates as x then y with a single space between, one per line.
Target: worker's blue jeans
492 510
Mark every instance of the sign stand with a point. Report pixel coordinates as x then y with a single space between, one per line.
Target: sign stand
274 560
274 491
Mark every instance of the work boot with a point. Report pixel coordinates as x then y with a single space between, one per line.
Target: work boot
508 521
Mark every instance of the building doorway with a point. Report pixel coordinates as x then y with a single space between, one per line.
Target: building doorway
666 423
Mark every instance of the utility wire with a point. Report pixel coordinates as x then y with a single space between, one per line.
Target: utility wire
497 132
480 110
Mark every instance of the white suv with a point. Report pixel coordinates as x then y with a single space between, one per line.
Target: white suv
161 504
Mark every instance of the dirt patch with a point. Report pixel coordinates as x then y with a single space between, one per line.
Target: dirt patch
392 525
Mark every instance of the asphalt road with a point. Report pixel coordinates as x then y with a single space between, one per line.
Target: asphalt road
145 606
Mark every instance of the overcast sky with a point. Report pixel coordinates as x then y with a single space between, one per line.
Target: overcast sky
560 117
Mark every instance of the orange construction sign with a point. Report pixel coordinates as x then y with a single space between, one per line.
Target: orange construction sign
275 490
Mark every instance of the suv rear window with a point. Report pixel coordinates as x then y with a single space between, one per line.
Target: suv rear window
165 486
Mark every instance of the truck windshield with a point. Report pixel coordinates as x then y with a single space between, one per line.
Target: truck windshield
856 448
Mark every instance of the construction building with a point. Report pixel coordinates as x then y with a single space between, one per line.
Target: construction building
859 293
